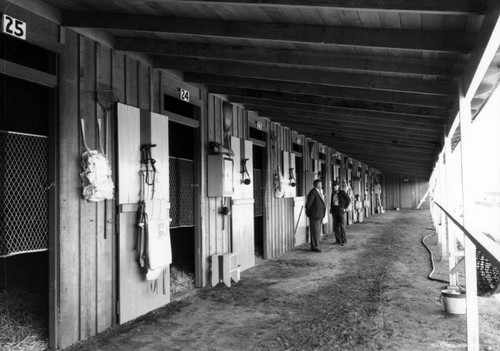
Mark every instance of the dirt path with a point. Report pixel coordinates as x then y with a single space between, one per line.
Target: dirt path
372 294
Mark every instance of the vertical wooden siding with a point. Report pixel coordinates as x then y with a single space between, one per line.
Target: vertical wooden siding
217 231
279 211
396 191
68 321
87 231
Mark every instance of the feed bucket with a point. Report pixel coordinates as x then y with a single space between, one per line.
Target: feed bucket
453 301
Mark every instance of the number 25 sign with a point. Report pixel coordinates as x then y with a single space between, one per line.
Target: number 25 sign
13 26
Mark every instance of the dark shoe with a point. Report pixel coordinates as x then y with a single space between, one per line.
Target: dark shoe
316 250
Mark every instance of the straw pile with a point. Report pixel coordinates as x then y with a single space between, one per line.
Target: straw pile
23 321
180 280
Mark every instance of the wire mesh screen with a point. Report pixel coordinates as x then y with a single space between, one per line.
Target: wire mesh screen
181 192
488 276
257 193
24 220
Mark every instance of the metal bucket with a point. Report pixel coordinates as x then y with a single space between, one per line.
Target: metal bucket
453 301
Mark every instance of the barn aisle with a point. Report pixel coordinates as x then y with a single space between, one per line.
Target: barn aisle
372 294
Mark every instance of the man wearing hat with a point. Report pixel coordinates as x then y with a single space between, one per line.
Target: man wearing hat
315 210
340 202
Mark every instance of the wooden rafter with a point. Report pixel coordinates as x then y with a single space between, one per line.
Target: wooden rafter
289 105
354 121
314 76
222 80
417 67
339 103
352 132
444 7
442 42
290 114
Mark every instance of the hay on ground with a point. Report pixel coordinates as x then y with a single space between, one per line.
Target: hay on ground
180 280
23 321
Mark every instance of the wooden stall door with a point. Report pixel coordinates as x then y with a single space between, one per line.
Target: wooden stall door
135 128
299 218
242 206
407 194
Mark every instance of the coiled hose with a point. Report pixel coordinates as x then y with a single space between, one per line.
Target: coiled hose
432 262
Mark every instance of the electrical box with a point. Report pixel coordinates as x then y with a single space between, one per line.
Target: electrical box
220 176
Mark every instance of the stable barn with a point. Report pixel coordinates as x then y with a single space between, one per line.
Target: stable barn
226 112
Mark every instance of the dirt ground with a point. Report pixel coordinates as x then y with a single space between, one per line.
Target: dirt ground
373 294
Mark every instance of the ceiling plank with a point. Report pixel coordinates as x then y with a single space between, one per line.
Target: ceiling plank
303 118
410 156
321 90
419 67
362 134
380 160
443 7
486 48
406 160
441 42
378 148
287 105
355 122
421 86
348 104
303 115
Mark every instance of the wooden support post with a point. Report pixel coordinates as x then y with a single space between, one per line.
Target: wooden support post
451 244
443 200
468 169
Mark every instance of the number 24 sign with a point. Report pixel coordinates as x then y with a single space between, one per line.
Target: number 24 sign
13 26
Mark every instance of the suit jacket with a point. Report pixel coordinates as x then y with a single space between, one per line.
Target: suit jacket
315 206
344 200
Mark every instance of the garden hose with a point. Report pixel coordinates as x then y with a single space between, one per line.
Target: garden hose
432 262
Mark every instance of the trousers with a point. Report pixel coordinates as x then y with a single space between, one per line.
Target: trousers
339 225
315 230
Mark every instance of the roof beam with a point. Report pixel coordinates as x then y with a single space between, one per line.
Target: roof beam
355 136
287 105
362 133
304 121
379 148
443 7
419 67
321 90
356 105
358 130
312 116
324 77
294 33
486 47
406 158
332 121
390 159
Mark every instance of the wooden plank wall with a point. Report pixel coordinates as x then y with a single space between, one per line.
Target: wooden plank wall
393 191
279 211
87 230
390 196
86 293
217 239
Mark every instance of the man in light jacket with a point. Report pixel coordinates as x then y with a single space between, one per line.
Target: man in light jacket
315 210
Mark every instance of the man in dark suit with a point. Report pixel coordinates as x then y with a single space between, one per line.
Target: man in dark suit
339 204
315 210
